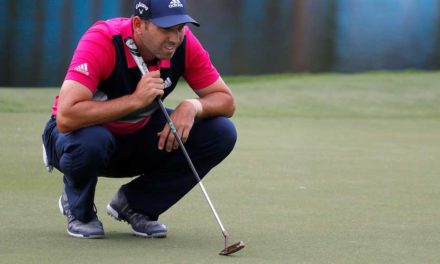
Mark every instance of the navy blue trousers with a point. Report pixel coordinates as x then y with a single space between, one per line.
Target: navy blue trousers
161 178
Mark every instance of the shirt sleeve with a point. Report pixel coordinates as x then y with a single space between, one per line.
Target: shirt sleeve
93 60
199 70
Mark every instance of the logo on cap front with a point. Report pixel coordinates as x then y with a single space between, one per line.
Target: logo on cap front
175 3
141 7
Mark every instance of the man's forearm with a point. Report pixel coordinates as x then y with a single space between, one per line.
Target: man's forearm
88 113
217 104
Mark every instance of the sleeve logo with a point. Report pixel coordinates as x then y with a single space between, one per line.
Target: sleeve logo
83 68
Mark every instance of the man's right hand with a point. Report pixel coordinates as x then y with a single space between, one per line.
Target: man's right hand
149 87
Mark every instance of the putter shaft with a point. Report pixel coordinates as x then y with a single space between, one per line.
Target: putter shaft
195 173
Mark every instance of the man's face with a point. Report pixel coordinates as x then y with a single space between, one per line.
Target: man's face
156 42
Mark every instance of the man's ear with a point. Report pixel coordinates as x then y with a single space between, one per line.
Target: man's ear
137 24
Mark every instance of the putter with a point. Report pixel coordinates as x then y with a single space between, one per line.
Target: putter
228 250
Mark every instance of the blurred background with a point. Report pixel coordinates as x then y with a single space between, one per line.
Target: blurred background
244 37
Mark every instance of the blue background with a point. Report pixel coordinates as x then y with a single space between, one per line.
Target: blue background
38 37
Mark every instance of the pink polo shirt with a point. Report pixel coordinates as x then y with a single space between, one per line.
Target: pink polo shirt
95 58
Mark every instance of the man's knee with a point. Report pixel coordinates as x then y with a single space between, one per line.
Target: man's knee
227 133
217 136
85 151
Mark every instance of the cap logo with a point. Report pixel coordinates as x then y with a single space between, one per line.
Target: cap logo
175 3
141 7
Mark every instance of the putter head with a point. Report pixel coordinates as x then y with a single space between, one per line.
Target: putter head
232 248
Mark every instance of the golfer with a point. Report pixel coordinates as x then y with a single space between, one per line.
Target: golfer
106 122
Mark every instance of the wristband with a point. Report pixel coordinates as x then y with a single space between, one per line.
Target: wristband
197 105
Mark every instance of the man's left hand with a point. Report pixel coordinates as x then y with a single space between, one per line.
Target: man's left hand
183 118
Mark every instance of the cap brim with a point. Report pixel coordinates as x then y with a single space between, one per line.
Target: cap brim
171 21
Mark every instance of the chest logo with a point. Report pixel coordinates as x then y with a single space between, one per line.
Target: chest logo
167 83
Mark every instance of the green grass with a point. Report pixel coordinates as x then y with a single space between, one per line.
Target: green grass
328 168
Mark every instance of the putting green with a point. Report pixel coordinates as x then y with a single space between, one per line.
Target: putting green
327 169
